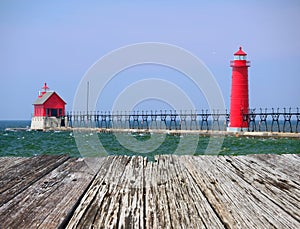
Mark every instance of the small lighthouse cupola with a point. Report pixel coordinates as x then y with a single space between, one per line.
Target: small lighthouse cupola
45 89
239 99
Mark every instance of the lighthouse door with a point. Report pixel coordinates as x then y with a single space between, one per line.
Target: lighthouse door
54 112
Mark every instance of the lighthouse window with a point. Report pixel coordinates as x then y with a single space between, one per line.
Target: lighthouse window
238 57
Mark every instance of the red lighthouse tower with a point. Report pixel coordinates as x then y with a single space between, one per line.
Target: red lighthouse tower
239 100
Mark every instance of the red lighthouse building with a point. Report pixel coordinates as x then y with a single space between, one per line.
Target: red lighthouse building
239 100
49 110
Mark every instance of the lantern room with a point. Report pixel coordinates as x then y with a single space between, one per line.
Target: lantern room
240 55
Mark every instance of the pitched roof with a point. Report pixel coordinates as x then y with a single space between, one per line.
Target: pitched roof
240 52
45 97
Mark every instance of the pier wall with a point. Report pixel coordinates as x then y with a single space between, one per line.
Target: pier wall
41 123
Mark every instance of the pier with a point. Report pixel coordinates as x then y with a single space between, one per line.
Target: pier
275 123
253 191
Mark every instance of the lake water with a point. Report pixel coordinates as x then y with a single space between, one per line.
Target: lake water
31 143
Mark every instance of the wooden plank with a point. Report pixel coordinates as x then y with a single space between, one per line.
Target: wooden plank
157 209
185 202
288 164
141 194
205 211
21 175
7 162
200 171
97 205
49 200
278 186
237 202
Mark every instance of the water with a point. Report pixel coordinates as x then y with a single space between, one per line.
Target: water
32 143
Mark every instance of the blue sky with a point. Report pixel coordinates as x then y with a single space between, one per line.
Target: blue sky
57 41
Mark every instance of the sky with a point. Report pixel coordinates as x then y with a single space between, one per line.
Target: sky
58 41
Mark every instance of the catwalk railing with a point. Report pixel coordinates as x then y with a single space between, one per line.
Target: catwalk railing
273 120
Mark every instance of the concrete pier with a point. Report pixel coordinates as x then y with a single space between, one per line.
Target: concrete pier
262 134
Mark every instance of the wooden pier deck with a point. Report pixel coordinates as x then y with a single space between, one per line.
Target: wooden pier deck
254 191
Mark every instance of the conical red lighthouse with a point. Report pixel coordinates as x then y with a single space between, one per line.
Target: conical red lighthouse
239 100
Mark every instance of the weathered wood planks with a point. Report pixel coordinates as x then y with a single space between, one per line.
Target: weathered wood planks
254 191
204 191
241 202
18 177
41 191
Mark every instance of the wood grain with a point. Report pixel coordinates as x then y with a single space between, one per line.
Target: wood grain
254 191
